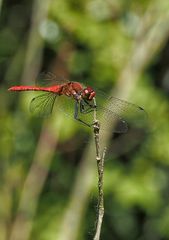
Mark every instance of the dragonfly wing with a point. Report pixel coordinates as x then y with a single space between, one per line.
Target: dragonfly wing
107 118
120 113
119 106
42 105
123 112
67 106
49 79
124 108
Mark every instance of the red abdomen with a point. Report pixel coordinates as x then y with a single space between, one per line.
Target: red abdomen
54 89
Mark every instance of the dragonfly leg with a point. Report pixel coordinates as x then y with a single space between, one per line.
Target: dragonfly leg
76 113
91 105
87 110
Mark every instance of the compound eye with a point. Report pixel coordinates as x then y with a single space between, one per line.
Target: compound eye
92 95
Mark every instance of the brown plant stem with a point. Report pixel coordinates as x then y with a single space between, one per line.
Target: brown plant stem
100 168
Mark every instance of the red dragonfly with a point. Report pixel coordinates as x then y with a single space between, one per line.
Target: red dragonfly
83 100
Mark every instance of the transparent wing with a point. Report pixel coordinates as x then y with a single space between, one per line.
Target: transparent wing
121 106
125 114
121 113
67 106
105 116
49 79
42 105
108 117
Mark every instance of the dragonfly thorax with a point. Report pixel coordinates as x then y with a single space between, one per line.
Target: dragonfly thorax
77 96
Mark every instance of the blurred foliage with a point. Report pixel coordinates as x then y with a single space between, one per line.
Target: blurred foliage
88 41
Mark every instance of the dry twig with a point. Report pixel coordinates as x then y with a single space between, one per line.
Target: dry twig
100 167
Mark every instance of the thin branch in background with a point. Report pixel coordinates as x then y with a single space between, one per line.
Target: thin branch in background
100 168
35 43
22 226
1 5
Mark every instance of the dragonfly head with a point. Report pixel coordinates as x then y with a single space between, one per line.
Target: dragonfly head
88 93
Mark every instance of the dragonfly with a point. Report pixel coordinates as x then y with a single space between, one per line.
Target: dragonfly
80 102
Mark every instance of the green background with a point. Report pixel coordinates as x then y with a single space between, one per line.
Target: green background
48 173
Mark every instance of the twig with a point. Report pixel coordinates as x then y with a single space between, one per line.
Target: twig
100 167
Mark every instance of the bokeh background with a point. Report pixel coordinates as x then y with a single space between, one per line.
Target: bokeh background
48 174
